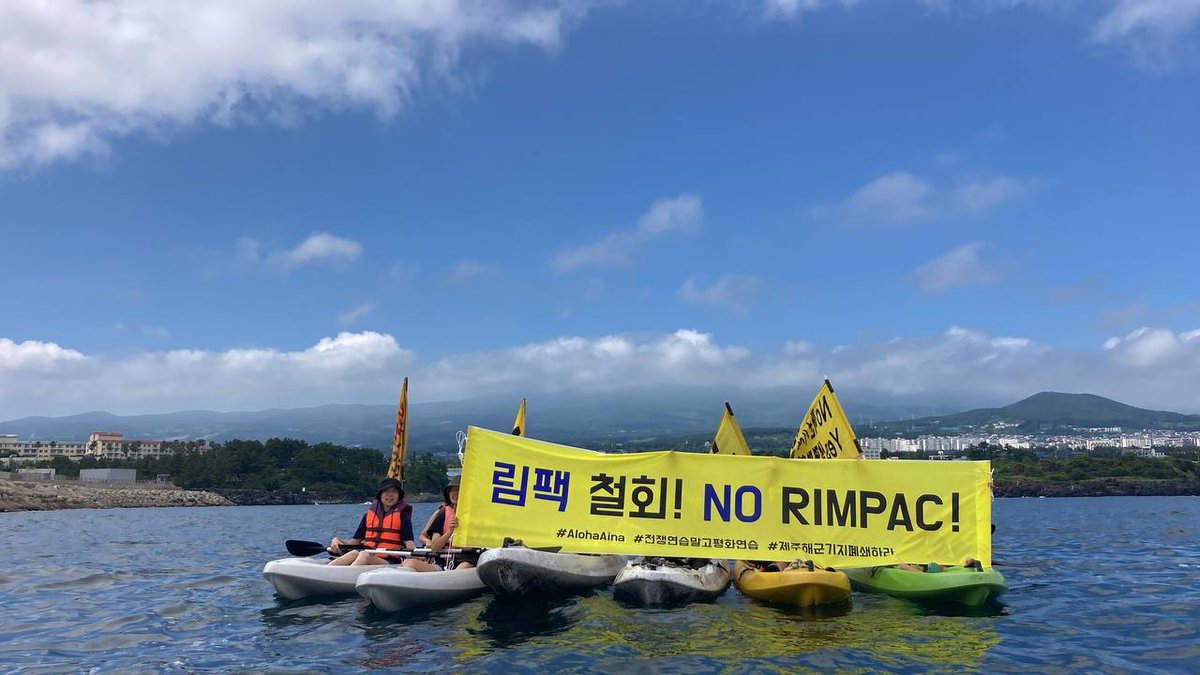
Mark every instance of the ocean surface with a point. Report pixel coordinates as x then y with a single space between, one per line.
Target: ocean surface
1102 584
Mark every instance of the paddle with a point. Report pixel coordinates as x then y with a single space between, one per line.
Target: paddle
418 552
309 548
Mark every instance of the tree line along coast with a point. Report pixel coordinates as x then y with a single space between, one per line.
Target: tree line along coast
283 470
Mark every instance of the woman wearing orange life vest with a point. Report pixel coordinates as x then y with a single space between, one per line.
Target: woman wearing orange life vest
387 524
438 532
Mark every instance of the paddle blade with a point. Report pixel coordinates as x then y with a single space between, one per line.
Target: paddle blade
304 548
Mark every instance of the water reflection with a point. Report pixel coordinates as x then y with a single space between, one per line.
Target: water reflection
507 621
541 636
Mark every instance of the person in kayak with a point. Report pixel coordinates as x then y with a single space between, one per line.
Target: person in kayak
386 524
438 532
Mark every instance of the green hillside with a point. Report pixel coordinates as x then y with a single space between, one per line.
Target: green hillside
1047 411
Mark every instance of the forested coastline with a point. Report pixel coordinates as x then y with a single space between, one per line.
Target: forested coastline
287 471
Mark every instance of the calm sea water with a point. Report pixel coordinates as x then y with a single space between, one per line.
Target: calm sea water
1104 584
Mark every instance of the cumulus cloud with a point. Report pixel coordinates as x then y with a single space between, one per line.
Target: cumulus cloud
960 266
75 75
1150 367
676 215
45 377
902 198
732 291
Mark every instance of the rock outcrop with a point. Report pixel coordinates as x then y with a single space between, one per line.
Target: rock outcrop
45 496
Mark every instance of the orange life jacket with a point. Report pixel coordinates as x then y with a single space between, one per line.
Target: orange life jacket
448 515
384 532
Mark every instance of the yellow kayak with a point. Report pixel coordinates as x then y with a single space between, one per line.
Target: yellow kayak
798 587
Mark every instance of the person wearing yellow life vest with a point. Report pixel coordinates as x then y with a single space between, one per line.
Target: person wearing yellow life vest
386 524
438 532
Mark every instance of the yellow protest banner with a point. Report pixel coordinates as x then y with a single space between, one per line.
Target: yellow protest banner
869 512
729 439
825 432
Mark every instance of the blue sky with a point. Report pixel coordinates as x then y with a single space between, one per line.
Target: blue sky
232 209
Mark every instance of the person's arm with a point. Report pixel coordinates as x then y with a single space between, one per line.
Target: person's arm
337 543
406 529
439 541
428 524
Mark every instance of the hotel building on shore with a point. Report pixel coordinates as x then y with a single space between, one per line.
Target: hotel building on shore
100 444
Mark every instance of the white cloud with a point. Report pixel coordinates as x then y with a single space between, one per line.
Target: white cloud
1150 367
41 376
75 75
1151 29
961 266
318 248
901 198
732 291
791 9
356 313
465 271
1146 347
682 214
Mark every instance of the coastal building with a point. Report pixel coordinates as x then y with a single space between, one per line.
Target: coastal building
100 444
37 451
113 445
110 475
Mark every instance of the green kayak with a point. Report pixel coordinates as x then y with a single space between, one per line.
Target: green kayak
962 585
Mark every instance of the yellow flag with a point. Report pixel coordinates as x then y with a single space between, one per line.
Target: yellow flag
729 439
519 423
825 432
400 437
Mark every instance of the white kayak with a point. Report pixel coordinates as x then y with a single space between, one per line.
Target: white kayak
394 588
664 581
517 570
295 578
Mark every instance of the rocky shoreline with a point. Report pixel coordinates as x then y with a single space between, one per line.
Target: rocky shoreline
53 495
48 496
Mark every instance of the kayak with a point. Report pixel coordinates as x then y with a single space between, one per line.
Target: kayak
517 570
799 587
295 578
664 581
962 585
395 588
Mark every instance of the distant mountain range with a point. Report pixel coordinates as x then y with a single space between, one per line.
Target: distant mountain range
588 420
563 419
1050 411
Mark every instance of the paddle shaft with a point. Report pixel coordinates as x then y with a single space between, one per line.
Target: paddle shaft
420 552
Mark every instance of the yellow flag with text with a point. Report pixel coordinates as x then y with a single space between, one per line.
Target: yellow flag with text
869 512
729 439
825 432
400 436
519 422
